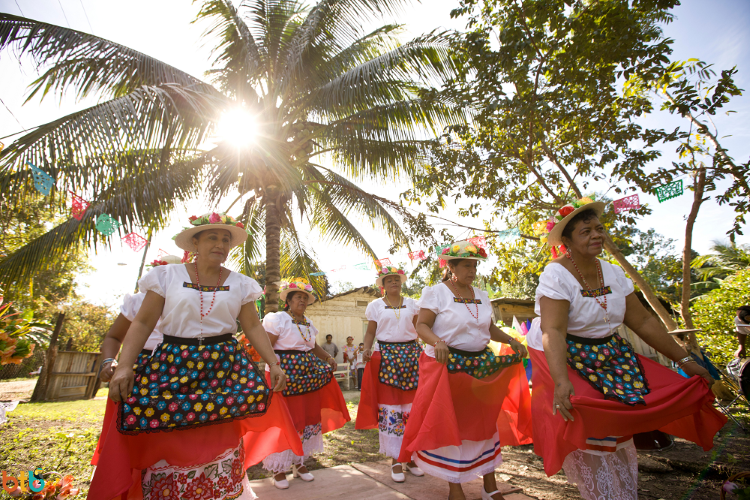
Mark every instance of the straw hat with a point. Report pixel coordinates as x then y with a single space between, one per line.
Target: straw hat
560 219
390 271
464 249
296 285
167 259
213 220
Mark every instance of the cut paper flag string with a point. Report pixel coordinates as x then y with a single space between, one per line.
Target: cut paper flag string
135 241
162 253
106 225
508 235
383 262
321 273
669 191
43 182
78 206
478 241
418 255
362 266
628 203
342 268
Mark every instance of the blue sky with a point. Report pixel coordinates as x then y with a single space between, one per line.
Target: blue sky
715 31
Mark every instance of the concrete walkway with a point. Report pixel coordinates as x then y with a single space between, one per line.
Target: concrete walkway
371 481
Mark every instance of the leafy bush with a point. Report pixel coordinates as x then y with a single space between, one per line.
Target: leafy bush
714 314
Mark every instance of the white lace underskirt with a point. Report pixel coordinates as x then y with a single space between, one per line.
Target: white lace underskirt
312 442
604 476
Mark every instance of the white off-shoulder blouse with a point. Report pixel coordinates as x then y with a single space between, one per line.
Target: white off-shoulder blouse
182 301
392 328
586 316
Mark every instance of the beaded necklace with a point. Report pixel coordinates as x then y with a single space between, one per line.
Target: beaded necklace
400 302
602 304
473 299
213 299
307 327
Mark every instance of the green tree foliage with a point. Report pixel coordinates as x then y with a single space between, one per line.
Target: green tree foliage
317 85
724 260
714 313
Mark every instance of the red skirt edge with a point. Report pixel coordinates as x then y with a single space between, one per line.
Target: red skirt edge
375 393
676 405
451 407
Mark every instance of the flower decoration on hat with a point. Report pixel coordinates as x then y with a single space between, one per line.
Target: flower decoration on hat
157 263
543 228
215 218
387 271
467 252
294 284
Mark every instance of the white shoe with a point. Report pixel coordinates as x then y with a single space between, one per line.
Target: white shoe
281 484
398 476
305 476
414 470
488 496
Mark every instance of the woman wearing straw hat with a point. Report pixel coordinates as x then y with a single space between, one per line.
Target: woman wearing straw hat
592 392
392 372
470 402
312 395
113 341
183 416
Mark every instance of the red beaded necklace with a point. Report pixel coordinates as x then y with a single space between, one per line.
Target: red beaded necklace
602 304
213 299
473 299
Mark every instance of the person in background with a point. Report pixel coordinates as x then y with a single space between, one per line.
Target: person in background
360 363
350 356
330 347
742 322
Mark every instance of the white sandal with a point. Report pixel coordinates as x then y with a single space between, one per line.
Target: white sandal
414 470
398 477
305 476
488 496
281 484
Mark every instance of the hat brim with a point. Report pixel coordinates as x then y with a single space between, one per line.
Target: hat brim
379 281
450 257
555 236
283 294
184 238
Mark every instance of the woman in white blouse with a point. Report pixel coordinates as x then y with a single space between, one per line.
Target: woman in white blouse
312 395
184 414
391 375
470 402
591 391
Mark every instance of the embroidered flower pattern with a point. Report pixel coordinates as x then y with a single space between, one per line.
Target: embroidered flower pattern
171 392
399 365
391 421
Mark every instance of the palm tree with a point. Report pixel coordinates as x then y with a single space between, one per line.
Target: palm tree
314 82
725 260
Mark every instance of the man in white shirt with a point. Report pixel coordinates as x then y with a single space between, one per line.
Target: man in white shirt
742 323
330 347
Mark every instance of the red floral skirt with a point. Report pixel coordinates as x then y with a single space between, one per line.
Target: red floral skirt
449 408
375 393
120 458
676 405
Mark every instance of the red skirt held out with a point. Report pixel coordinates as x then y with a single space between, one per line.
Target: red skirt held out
121 457
451 407
676 405
375 393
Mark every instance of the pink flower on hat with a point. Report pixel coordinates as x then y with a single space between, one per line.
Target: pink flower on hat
400 271
292 285
384 270
550 225
214 218
445 250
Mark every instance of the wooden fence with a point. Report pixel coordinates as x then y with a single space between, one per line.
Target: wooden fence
73 376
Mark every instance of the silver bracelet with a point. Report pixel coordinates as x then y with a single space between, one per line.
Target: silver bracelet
684 361
108 360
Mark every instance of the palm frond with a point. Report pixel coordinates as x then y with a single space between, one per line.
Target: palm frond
143 200
85 63
83 151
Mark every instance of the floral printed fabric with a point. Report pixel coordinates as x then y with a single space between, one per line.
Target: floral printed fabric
391 424
183 386
222 479
479 365
399 364
611 368
305 372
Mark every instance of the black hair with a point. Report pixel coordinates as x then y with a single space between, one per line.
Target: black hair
745 310
329 335
582 216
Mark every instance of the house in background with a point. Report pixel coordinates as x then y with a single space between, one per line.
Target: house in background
505 308
342 315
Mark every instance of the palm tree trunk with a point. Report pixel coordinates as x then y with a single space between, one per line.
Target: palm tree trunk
698 189
273 254
642 284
